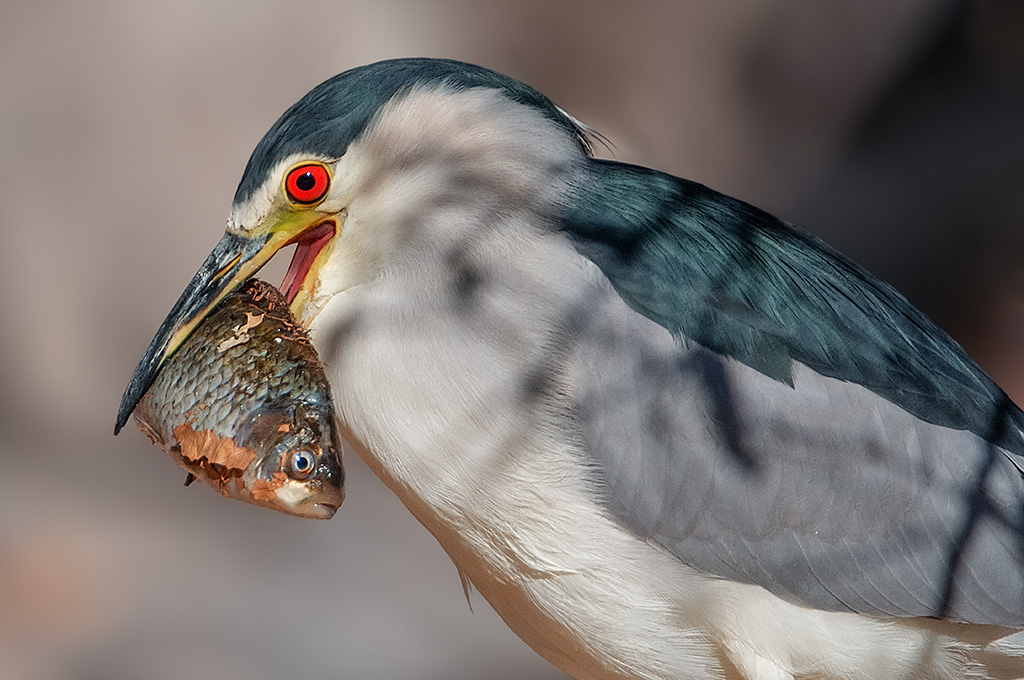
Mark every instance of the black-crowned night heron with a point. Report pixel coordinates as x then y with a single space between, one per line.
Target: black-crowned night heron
665 434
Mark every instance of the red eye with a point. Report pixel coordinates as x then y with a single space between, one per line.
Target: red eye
307 183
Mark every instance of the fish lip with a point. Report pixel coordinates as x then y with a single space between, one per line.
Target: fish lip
321 510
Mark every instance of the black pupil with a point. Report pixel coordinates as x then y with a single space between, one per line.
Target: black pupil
303 462
305 181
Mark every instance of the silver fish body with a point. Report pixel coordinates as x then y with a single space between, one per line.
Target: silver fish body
244 406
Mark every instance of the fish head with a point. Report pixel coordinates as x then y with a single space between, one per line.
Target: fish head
297 468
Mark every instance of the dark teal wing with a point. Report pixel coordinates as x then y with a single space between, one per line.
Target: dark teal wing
754 288
771 413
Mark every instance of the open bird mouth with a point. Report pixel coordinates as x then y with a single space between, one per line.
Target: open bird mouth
235 258
309 244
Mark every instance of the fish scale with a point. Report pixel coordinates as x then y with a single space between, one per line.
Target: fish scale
243 404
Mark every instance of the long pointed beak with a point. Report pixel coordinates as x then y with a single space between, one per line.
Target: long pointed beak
233 260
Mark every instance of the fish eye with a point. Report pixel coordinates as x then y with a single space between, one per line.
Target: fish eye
302 464
307 183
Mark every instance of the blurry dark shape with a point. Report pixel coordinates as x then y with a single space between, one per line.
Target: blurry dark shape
927 192
995 29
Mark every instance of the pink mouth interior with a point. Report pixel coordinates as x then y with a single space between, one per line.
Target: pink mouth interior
308 246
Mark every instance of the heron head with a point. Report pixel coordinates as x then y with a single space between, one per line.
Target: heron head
319 159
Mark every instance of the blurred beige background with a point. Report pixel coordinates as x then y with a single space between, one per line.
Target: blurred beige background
891 128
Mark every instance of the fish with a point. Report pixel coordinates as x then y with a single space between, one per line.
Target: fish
244 405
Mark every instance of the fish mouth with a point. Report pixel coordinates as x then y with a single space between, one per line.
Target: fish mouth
312 509
312 500
235 258
325 510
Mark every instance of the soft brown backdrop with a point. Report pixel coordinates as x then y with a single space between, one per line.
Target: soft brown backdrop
892 129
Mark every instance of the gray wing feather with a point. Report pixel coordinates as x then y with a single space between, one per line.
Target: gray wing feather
823 492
